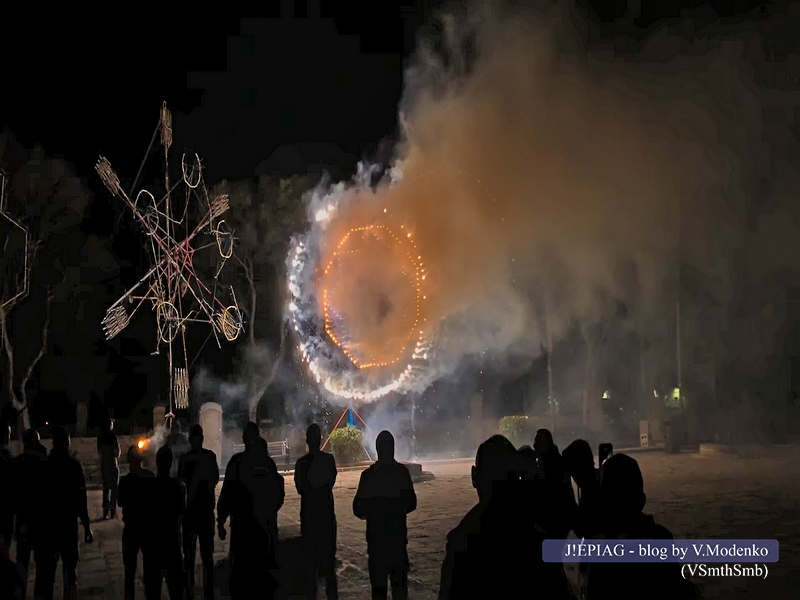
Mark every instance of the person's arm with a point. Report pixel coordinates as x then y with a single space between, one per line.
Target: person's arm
359 501
298 476
334 471
122 494
408 494
224 504
281 496
212 459
116 447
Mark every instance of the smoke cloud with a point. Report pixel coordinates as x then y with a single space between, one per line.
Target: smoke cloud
537 177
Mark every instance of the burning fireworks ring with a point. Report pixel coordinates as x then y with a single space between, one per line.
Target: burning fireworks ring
325 359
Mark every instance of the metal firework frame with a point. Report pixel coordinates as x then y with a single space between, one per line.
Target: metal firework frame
177 295
22 286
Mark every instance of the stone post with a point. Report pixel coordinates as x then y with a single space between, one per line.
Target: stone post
211 422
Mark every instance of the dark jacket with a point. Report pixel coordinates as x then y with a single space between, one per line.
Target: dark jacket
132 498
624 581
65 489
108 449
199 472
164 506
385 496
314 478
252 493
495 551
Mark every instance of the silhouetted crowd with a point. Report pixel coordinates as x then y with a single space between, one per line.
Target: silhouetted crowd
524 497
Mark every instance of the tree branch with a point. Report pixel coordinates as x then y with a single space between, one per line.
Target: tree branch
35 361
9 357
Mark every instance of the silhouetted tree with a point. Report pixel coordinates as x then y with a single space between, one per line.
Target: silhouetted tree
44 196
264 215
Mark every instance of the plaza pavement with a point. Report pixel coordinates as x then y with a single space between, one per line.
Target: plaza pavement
701 495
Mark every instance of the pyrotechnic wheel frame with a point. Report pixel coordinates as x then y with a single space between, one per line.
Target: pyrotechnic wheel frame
177 294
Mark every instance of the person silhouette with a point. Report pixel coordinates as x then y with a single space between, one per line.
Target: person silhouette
314 478
252 494
29 498
108 449
63 481
384 497
622 501
495 551
579 463
133 504
199 472
165 504
12 581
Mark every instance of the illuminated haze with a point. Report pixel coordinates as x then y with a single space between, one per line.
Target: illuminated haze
534 177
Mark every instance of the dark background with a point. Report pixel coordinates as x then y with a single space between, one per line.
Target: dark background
316 85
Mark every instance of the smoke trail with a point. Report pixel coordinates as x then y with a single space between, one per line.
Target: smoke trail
535 177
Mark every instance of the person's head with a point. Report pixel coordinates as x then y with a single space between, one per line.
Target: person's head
543 441
134 457
60 439
196 437
314 437
250 433
621 489
496 460
579 460
30 439
164 461
384 446
111 424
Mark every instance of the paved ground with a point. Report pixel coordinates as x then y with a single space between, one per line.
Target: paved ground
695 495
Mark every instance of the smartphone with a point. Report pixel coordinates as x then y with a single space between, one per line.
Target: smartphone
605 452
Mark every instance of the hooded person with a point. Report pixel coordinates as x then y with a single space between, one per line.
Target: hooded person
384 498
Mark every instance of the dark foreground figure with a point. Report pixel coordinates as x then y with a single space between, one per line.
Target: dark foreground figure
252 494
199 472
165 504
64 487
622 500
30 497
385 496
133 502
314 478
108 449
495 552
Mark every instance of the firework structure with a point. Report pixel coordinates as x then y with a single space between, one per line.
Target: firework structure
183 221
15 257
348 362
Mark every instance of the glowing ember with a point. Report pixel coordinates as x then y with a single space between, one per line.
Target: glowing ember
142 444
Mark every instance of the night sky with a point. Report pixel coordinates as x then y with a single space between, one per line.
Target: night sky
85 86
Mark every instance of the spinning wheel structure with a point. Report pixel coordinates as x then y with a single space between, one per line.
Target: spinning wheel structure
172 287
